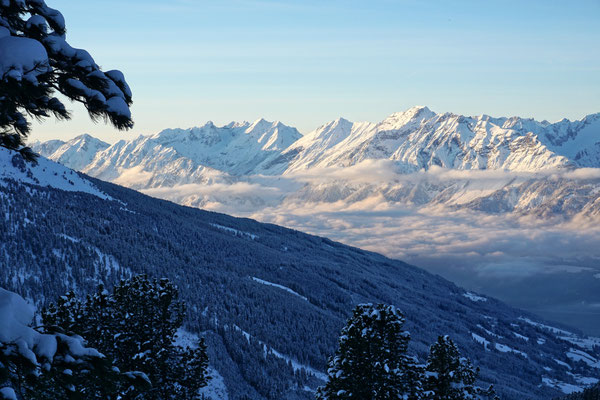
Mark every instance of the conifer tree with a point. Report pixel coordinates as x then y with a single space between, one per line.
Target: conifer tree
448 376
136 325
36 62
371 361
45 364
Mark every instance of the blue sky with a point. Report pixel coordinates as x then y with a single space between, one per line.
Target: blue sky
308 62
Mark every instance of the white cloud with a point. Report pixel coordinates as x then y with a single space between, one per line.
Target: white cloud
353 205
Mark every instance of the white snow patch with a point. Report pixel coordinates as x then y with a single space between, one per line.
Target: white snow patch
525 338
587 343
489 332
564 364
566 388
186 339
584 380
550 328
17 316
580 355
216 389
235 231
295 364
481 340
287 289
474 297
69 238
8 393
506 349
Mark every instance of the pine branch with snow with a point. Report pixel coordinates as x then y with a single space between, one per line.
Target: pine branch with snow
36 62
46 364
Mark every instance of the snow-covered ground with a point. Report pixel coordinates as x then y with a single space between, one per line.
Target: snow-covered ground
287 289
481 340
295 364
44 173
474 297
216 389
236 232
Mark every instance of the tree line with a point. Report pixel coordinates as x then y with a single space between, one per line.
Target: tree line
134 328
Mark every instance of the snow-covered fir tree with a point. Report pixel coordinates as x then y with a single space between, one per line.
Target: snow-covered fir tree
136 325
448 376
371 361
36 61
42 364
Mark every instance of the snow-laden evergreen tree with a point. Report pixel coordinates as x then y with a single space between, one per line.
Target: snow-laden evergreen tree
36 62
448 376
42 364
371 361
136 325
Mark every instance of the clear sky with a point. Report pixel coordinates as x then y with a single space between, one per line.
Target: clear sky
307 62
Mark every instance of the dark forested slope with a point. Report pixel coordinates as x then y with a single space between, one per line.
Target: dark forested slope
270 301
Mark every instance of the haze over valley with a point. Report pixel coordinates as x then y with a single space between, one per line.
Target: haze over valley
505 206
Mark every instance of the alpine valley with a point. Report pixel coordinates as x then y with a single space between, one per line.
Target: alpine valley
504 206
270 301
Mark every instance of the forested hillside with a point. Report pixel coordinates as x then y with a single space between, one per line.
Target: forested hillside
270 301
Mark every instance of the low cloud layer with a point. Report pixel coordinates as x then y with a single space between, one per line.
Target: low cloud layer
540 263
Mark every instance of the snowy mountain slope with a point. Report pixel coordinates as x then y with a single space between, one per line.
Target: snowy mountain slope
46 148
142 163
177 156
578 141
307 150
416 139
235 275
420 139
237 148
76 153
45 173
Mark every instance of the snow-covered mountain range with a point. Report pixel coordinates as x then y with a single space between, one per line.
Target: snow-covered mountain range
471 198
407 142
269 300
419 139
414 139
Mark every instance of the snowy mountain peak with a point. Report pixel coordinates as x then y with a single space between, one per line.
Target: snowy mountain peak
259 125
261 122
46 148
341 121
417 138
414 116
418 109
76 153
333 132
591 118
85 136
87 139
